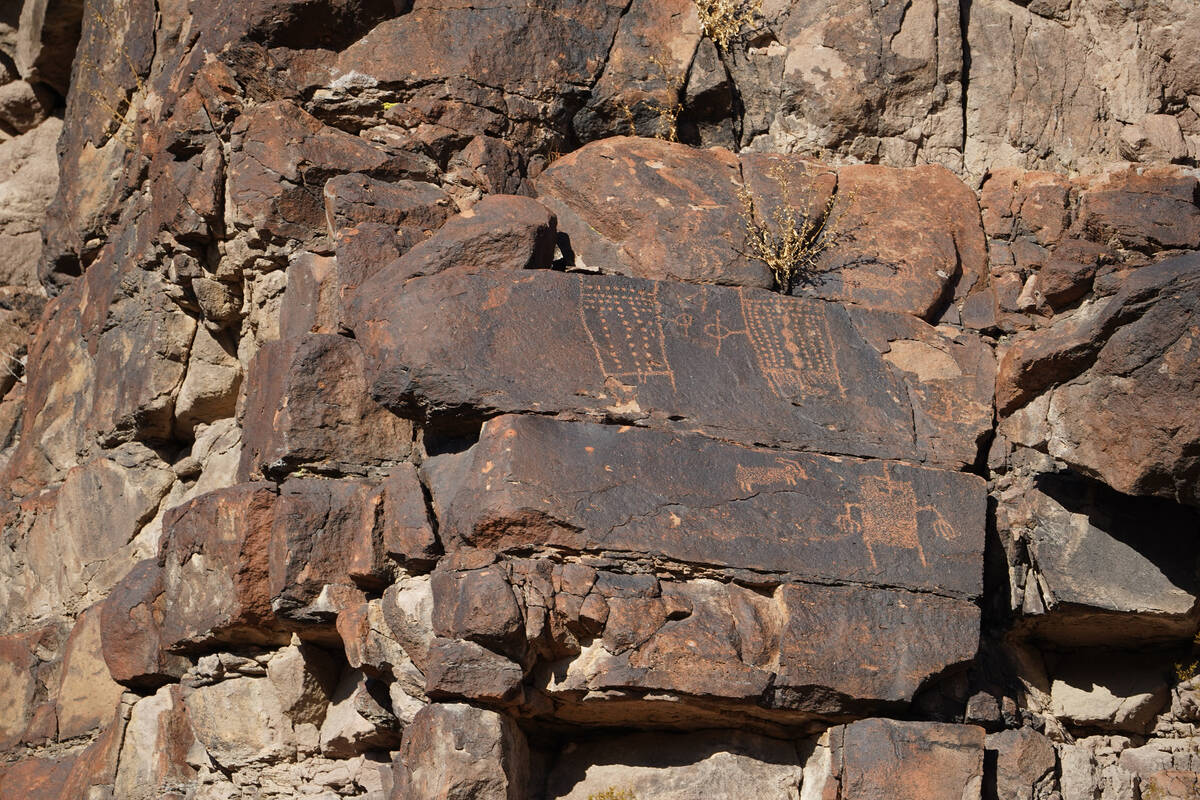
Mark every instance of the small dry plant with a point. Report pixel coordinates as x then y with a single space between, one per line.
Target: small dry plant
794 239
668 115
117 111
612 793
724 20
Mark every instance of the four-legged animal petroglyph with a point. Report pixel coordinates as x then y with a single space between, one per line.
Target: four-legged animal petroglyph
788 472
886 514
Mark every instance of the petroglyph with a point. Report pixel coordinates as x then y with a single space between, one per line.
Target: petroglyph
794 348
887 514
789 472
624 325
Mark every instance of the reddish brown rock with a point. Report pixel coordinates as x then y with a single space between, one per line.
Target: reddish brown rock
413 209
904 760
454 750
324 532
1025 764
809 375
82 773
216 578
1122 411
652 209
501 232
533 482
130 630
1144 209
307 406
281 160
478 605
913 240
459 669
407 532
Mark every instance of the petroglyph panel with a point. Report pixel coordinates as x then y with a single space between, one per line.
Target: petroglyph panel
736 364
533 481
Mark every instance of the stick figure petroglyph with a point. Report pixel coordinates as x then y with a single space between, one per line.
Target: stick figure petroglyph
886 514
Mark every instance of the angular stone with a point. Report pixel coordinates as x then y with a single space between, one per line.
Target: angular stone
904 760
282 157
240 722
324 532
407 533
359 718
809 374
457 751
1144 209
848 640
215 561
479 605
652 209
533 482
307 406
304 678
30 178
1099 578
411 208
154 752
87 772
1123 412
130 630
914 240
879 84
1107 692
46 38
713 763
210 389
500 232
458 669
27 664
87 696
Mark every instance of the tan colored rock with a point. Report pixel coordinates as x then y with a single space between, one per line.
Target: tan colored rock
454 750
210 388
359 718
28 180
240 722
304 678
1108 692
154 752
87 697
717 764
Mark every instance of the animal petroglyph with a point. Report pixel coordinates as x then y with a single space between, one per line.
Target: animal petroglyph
887 514
787 472
624 326
794 348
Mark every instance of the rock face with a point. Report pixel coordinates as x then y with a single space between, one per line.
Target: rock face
600 400
666 355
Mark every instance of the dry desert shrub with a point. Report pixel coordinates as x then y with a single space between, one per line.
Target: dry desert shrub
723 20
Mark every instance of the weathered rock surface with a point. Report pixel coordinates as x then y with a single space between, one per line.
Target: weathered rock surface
307 405
532 482
883 758
454 750
1118 404
667 355
722 763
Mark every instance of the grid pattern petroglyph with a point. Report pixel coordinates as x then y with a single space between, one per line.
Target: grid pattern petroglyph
793 346
625 329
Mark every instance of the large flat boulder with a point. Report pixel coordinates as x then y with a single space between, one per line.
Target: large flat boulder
737 364
536 482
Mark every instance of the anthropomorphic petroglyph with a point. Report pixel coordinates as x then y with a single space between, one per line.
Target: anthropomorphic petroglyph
794 347
886 513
